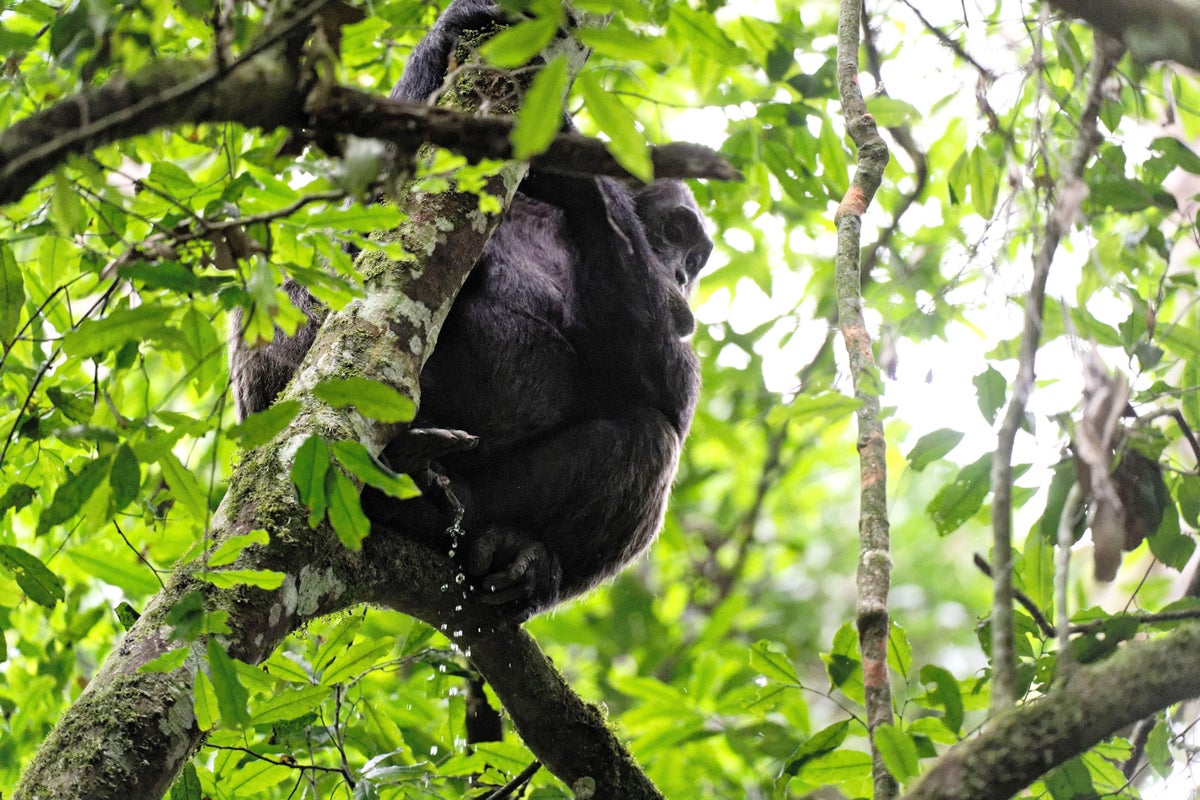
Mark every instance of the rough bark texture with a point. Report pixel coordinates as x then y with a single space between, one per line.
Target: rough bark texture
874 560
1022 744
131 733
267 89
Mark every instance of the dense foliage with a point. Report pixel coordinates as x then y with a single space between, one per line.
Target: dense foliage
728 658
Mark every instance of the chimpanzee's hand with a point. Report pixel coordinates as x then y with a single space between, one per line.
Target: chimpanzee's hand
413 449
514 570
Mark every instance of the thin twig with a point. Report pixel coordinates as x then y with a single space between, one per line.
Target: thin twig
1039 617
513 786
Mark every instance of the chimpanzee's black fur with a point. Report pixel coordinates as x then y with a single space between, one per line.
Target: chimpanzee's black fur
564 353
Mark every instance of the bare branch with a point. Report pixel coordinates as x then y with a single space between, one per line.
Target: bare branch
874 561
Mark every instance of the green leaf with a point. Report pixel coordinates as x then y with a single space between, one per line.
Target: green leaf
126 614
621 44
171 178
16 497
899 652
308 473
263 426
1070 781
1168 543
1177 154
358 461
932 446
772 663
890 112
898 751
66 206
700 31
228 551
72 494
374 217
228 578
12 296
944 692
204 702
1187 493
187 785
1158 751
373 399
990 388
97 559
73 407
627 144
848 769
957 502
337 641
186 617
540 117
843 663
167 662
232 697
121 326
826 406
37 582
124 477
290 704
345 510
517 46
357 659
184 487
984 183
824 741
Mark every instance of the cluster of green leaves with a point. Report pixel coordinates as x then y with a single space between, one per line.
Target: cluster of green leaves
726 659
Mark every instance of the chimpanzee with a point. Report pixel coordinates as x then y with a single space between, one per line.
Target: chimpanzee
564 354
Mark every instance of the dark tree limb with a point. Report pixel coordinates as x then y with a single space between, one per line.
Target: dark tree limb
1023 743
1151 30
409 125
267 89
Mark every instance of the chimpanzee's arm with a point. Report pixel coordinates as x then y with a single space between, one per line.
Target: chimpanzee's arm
426 67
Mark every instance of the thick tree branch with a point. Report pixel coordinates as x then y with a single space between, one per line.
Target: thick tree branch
1098 700
1152 30
266 90
410 125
